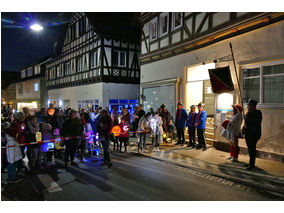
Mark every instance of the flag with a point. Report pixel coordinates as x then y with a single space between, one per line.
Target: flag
221 80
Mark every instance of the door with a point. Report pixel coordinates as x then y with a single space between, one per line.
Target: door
208 97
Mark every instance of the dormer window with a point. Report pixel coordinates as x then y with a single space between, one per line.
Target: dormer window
153 29
177 20
23 73
30 71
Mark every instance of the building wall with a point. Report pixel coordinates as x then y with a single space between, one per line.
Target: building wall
73 94
260 45
28 89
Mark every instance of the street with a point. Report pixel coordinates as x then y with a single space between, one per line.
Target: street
131 178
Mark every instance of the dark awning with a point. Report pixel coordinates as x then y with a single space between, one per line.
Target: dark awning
221 80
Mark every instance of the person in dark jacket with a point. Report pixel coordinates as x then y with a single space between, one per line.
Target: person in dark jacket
191 126
252 131
72 127
180 123
200 126
104 129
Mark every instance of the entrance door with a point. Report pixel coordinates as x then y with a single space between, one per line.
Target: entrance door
208 97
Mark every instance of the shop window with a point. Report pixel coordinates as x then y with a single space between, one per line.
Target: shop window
164 24
177 20
264 83
36 87
119 58
153 29
94 59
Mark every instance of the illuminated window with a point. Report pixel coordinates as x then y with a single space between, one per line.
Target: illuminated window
23 73
119 58
153 29
36 87
37 69
30 71
177 20
164 24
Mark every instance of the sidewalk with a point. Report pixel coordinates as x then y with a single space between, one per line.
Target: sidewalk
267 176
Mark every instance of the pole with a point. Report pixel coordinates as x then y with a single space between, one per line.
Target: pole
240 92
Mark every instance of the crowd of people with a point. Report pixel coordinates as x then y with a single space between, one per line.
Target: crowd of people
101 127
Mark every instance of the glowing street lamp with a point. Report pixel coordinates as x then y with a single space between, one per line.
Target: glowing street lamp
36 27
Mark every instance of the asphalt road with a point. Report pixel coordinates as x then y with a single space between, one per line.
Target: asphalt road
132 178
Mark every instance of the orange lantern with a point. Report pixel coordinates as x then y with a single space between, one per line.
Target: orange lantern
51 111
116 130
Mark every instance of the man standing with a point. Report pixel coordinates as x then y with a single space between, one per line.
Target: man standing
72 127
252 131
180 122
201 125
191 126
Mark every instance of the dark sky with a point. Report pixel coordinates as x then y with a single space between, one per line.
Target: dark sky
20 46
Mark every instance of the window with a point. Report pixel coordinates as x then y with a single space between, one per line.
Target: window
36 87
37 69
119 58
20 89
73 32
177 20
23 73
264 83
80 64
67 68
153 29
164 24
94 59
58 71
30 71
82 26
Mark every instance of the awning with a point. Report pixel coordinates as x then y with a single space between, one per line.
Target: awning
221 80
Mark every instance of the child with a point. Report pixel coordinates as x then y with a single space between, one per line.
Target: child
124 135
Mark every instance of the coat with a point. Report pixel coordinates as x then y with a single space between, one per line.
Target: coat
201 120
143 124
181 122
252 126
157 129
233 128
124 133
13 153
190 123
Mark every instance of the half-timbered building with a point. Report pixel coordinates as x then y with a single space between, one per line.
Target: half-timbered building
178 48
97 65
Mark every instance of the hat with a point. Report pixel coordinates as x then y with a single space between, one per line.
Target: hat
201 105
238 107
252 102
192 106
180 103
163 106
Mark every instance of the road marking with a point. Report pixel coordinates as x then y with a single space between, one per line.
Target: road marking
49 183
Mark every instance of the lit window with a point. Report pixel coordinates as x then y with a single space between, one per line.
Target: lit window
36 87
177 20
37 69
30 71
153 29
119 58
164 24
23 73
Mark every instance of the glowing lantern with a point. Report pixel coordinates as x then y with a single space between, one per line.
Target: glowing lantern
51 111
164 135
116 130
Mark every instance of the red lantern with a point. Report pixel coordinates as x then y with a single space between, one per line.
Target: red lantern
116 130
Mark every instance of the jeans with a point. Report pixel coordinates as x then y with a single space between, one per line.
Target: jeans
201 138
70 150
142 136
105 142
180 133
12 171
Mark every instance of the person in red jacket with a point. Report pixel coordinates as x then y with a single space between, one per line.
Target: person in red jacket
124 135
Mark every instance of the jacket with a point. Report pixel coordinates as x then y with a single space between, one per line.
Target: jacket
181 122
190 123
234 127
124 130
157 129
13 153
19 128
104 126
73 127
201 120
143 124
252 126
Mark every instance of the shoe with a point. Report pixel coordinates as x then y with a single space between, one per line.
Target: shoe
139 152
189 145
234 160
250 168
182 144
197 147
15 181
204 149
229 158
177 143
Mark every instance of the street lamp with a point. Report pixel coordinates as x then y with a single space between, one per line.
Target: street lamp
36 27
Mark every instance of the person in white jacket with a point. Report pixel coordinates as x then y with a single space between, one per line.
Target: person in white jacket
143 128
157 130
233 131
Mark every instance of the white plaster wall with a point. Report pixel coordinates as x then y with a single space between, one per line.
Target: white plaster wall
91 91
119 91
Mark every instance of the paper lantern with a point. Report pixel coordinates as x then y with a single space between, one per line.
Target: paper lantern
51 111
116 130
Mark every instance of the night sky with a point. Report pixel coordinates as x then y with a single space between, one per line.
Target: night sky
21 46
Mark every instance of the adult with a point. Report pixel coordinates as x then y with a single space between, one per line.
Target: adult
252 131
233 131
180 123
84 118
166 118
143 128
115 121
42 116
92 128
157 130
191 126
201 126
126 116
72 127
135 120
104 128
